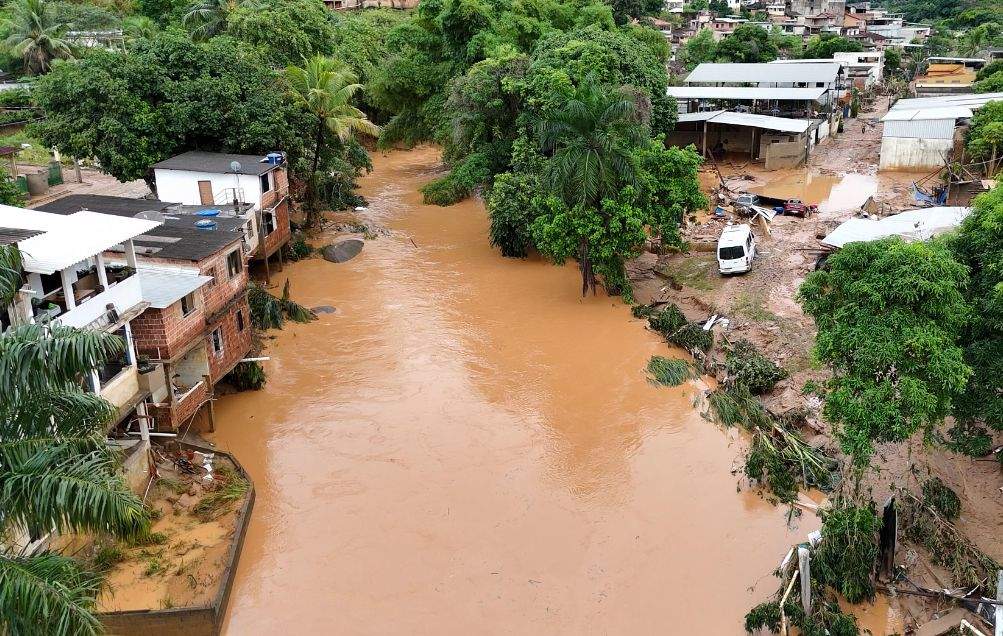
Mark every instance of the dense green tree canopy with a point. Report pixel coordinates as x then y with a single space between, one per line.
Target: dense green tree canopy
826 45
889 316
698 49
166 96
749 43
985 136
286 32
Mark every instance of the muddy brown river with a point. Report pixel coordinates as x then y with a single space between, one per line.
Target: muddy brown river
469 446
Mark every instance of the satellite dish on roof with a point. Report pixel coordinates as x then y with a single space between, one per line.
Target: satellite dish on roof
235 166
151 215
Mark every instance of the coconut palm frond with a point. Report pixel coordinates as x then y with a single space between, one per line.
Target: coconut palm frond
47 594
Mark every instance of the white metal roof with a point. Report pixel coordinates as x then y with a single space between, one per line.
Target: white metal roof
748 119
914 225
970 100
68 239
917 114
745 92
764 73
162 288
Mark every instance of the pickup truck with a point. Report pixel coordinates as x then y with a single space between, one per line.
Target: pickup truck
799 208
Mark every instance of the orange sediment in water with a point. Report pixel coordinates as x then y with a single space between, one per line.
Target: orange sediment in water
469 446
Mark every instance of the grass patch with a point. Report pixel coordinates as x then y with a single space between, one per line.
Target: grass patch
108 556
697 270
669 371
154 566
148 539
230 488
753 307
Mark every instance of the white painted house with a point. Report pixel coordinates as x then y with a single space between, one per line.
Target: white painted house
252 187
69 282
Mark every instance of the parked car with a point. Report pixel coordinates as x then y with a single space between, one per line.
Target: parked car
799 208
736 249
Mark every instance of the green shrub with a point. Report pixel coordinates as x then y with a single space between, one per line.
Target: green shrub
297 248
247 376
845 558
669 371
269 312
16 97
513 208
970 438
460 183
941 498
108 556
667 321
746 365
692 336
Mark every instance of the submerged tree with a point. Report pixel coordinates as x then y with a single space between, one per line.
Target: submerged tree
35 35
324 87
592 139
57 473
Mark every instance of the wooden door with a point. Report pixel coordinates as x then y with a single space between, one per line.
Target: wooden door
205 192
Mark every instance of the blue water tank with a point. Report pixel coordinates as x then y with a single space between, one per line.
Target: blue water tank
274 158
206 224
207 213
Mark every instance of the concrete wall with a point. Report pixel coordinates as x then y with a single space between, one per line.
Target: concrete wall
907 153
190 621
122 387
182 186
784 155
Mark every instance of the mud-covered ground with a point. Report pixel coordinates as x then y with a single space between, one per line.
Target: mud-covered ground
762 307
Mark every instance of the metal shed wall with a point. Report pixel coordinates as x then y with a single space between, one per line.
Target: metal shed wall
912 153
920 129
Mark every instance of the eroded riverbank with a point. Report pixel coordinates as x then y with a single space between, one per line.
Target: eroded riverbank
467 445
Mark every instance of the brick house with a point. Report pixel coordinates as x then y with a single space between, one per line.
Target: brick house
250 187
197 326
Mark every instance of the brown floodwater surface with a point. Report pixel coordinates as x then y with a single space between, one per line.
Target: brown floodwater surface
469 446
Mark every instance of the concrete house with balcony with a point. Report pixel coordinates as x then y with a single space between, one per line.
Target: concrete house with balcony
251 187
196 325
69 281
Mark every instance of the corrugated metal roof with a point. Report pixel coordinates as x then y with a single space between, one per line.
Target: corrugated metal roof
920 129
748 119
914 225
745 92
764 73
163 288
970 100
68 239
10 236
916 114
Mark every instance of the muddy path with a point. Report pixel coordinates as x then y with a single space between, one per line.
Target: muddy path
468 446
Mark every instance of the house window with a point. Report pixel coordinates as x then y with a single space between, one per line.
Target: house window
266 182
234 263
187 304
268 219
217 341
240 320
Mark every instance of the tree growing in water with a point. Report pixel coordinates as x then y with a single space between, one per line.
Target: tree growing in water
324 87
593 139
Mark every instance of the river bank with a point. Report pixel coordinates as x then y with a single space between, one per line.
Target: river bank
466 442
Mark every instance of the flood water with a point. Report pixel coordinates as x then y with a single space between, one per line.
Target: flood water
829 192
468 446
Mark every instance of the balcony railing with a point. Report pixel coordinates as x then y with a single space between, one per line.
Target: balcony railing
98 306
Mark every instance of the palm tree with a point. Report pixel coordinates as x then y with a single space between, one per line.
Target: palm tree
35 35
207 18
324 87
57 472
138 27
592 138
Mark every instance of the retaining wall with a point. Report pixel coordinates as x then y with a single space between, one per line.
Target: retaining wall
190 621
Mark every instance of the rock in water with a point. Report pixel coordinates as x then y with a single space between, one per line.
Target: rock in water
343 250
324 309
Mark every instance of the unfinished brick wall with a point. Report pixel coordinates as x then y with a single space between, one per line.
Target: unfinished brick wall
236 341
278 238
168 419
165 333
218 293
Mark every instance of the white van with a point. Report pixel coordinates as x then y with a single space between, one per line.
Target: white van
735 249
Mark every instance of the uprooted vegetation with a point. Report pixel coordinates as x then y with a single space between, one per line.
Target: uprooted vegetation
669 371
922 523
841 565
676 329
269 312
779 458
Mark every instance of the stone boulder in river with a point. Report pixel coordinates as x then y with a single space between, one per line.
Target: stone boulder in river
343 250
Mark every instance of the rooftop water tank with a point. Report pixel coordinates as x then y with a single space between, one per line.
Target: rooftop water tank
206 224
207 213
274 158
